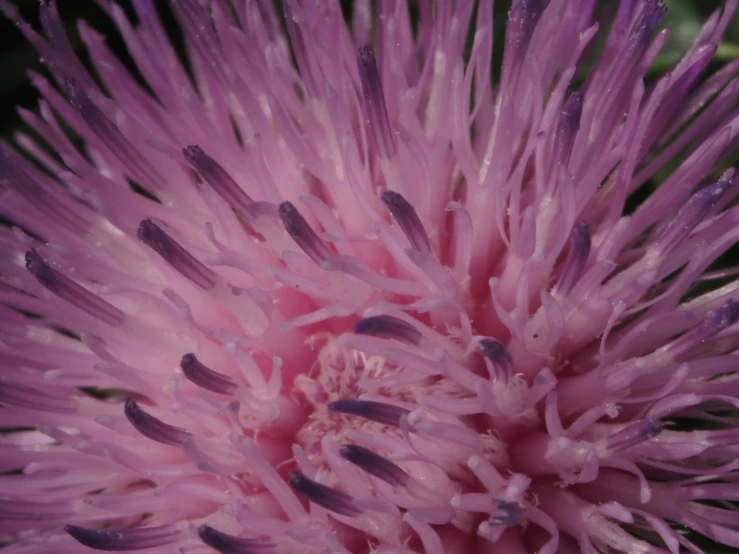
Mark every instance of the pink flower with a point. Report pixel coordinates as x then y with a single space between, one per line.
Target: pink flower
300 294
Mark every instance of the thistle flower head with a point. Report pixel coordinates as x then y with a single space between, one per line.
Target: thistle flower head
320 286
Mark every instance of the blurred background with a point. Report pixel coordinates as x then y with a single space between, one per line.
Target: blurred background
16 57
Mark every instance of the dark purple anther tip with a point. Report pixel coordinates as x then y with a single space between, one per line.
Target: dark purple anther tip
633 434
374 464
499 357
567 127
91 114
527 9
378 121
366 57
508 513
116 540
715 322
175 255
302 233
324 496
647 22
577 257
36 265
136 165
700 204
387 326
228 544
387 414
53 27
149 232
70 291
522 20
50 23
572 110
724 316
204 377
152 428
406 216
220 180
79 99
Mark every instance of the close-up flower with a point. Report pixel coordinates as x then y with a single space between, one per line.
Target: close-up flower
395 279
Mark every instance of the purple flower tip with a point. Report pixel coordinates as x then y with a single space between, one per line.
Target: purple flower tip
302 233
374 464
386 414
78 98
123 539
366 56
387 326
725 316
324 496
648 20
499 357
153 236
152 428
228 544
577 257
205 377
374 103
634 434
38 267
220 180
406 216
70 291
509 513
567 128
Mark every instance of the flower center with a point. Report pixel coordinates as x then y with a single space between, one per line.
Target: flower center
339 374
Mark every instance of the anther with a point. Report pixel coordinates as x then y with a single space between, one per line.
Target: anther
408 220
175 255
324 496
152 428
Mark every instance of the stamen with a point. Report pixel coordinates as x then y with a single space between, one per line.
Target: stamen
408 219
633 434
70 291
647 22
141 170
374 464
724 316
716 321
522 20
175 255
374 411
124 539
691 214
152 428
567 127
205 377
228 544
387 326
509 513
378 121
499 357
218 178
302 233
577 257
324 496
